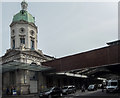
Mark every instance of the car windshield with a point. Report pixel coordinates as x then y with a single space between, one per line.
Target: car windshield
47 89
91 86
65 87
71 87
113 83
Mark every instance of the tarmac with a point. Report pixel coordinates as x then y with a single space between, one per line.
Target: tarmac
21 96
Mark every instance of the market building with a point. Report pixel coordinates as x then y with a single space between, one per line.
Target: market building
26 69
90 67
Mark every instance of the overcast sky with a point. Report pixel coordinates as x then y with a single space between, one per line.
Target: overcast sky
66 28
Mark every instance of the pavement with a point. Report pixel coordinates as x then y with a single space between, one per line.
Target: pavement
21 96
92 94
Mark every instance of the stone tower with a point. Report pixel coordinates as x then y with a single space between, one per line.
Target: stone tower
22 64
23 30
24 39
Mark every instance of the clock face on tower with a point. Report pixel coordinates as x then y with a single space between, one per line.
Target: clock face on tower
13 32
22 30
32 32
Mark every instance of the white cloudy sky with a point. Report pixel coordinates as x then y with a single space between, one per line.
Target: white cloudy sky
66 28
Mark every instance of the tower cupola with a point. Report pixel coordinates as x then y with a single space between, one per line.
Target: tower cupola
23 30
23 14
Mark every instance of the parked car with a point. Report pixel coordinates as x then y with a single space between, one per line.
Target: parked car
92 87
51 92
68 89
113 86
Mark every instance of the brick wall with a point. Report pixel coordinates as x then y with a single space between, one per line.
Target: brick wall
97 57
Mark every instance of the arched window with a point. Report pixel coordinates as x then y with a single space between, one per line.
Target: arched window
22 40
32 44
13 44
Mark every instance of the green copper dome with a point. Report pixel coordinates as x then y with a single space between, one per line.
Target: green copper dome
25 16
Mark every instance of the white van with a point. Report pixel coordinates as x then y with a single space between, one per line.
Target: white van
113 86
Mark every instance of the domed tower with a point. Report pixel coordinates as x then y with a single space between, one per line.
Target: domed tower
23 30
24 39
22 64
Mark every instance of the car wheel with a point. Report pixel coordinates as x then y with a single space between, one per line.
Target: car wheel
61 94
66 93
49 96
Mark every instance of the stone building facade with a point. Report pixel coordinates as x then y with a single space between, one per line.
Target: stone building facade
21 64
25 68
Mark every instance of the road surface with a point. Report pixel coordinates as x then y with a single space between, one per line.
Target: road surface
92 94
